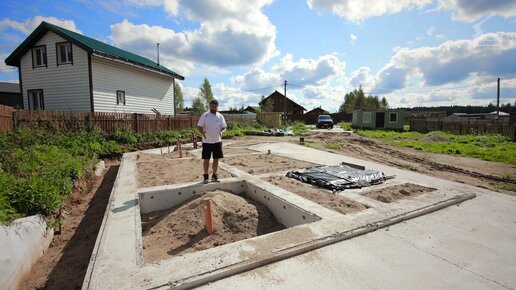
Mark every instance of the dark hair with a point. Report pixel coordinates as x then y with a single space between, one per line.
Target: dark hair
214 102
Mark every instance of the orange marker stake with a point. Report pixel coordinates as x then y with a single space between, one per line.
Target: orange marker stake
206 205
180 153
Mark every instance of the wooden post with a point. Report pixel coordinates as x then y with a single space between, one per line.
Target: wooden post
168 123
135 117
208 220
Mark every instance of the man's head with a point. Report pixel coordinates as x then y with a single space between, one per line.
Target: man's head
214 106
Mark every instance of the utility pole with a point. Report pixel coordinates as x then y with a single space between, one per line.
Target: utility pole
498 100
285 100
157 47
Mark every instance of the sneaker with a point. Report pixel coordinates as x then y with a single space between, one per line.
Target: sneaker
214 178
206 178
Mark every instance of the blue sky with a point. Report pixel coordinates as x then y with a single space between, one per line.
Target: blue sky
413 52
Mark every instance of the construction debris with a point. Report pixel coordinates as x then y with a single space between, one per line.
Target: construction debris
338 177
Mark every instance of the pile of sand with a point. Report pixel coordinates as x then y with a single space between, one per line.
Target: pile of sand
401 191
181 229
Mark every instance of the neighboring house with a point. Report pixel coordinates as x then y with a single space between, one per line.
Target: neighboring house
252 109
279 103
62 70
317 111
379 119
10 95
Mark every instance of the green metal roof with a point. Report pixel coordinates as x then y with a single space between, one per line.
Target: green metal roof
87 43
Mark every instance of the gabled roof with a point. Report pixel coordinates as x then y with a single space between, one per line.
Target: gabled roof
90 45
281 95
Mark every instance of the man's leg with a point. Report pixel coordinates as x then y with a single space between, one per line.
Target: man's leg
215 165
206 165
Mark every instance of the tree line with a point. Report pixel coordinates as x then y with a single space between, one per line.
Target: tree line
356 99
200 103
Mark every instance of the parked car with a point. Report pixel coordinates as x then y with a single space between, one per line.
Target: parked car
324 121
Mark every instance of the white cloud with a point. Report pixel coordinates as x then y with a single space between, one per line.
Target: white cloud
353 38
30 24
231 33
299 72
490 55
471 10
464 10
359 10
362 77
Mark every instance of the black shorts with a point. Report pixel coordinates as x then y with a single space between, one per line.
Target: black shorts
209 148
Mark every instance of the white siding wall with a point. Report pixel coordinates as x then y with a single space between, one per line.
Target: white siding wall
65 87
144 90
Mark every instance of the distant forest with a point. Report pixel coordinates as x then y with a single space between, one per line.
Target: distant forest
508 108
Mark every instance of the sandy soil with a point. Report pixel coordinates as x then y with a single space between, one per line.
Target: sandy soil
237 151
324 198
265 163
181 229
167 171
144 157
466 170
64 264
396 192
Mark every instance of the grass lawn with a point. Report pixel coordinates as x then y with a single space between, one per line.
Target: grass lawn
486 147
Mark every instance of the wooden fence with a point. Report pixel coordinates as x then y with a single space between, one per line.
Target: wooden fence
459 127
6 118
270 119
107 122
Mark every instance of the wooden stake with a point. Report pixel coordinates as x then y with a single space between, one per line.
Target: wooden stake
206 206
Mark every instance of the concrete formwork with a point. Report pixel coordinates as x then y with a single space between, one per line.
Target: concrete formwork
117 261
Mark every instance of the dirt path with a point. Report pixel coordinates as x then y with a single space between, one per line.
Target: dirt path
64 264
476 172
181 229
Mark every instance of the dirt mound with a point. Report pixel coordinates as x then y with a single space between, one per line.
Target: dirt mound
435 139
181 229
396 192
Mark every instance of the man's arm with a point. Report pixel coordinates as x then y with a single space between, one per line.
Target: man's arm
200 124
223 126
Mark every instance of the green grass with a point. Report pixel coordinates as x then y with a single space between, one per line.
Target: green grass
345 126
332 146
299 128
504 186
487 147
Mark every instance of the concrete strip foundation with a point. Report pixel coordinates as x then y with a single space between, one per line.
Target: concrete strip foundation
117 261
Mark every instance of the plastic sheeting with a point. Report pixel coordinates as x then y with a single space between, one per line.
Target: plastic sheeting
338 177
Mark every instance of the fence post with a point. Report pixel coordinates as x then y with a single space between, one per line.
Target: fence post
191 121
168 123
136 129
15 119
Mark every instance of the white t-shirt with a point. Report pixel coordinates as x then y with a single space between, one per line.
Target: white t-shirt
212 124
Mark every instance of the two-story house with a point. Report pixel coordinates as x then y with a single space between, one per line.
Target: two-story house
61 70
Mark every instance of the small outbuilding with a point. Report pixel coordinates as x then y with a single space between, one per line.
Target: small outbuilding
379 119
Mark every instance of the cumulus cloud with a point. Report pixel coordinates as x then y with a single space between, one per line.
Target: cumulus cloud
359 10
29 25
362 77
231 33
301 72
353 38
490 55
464 10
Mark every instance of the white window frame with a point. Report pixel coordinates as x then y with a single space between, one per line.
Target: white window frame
368 119
38 96
40 50
68 53
120 98
393 113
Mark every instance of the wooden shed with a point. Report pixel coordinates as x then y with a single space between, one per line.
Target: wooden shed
379 119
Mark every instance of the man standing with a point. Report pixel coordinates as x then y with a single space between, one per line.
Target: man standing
212 125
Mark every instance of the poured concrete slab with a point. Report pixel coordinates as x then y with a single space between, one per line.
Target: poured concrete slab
117 259
471 246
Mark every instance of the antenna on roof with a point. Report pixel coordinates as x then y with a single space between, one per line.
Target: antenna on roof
157 46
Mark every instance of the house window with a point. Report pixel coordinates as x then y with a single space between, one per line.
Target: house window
39 56
64 53
120 98
36 100
366 117
393 117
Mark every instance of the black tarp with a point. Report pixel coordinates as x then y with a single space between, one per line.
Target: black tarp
338 177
